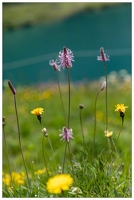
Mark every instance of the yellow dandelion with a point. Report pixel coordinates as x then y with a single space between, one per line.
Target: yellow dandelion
37 111
40 171
108 134
120 108
59 183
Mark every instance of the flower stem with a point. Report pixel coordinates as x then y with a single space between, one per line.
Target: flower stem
64 158
115 142
52 150
44 154
70 155
68 97
19 136
4 136
60 94
84 145
105 72
95 120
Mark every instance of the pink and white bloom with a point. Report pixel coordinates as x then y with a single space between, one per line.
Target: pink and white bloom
103 57
55 65
66 57
66 134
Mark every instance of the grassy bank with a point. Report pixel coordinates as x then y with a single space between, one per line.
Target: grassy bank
16 15
93 178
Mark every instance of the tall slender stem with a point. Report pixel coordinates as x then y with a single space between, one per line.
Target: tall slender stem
4 136
95 120
105 72
19 136
115 142
71 159
82 129
52 150
44 154
64 158
60 94
68 98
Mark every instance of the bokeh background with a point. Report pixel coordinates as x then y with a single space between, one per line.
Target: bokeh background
34 33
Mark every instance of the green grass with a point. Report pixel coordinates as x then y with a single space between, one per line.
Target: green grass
92 177
17 15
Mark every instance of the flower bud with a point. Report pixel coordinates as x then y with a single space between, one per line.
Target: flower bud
11 87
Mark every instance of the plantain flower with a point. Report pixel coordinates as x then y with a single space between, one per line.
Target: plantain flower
66 57
55 65
66 134
59 183
103 57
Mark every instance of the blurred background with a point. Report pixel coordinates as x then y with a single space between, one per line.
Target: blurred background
34 33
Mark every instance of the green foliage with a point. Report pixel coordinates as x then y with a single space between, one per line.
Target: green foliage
98 174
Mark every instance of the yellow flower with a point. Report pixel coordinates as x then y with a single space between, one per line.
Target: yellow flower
108 134
37 111
120 108
40 171
59 183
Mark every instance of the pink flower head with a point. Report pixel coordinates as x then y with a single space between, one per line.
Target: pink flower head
66 134
103 57
55 65
66 58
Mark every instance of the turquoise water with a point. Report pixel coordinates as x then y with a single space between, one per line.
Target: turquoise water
26 52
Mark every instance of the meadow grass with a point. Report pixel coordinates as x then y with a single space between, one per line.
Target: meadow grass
98 174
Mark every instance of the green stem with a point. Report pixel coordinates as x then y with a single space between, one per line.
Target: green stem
68 97
95 120
64 158
4 136
70 155
115 142
82 130
19 136
44 155
105 72
52 150
60 95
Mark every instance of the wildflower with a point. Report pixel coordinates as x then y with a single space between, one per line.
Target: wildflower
11 87
38 112
121 108
44 130
66 134
40 171
103 86
55 65
81 106
66 58
59 183
103 57
108 134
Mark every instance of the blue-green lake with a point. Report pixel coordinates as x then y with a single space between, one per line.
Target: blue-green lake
26 52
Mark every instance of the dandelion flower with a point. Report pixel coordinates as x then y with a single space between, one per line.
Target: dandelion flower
66 57
108 134
38 112
103 57
59 183
66 134
120 108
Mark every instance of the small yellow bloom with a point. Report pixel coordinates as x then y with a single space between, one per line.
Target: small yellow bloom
37 111
59 183
40 171
120 108
108 134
